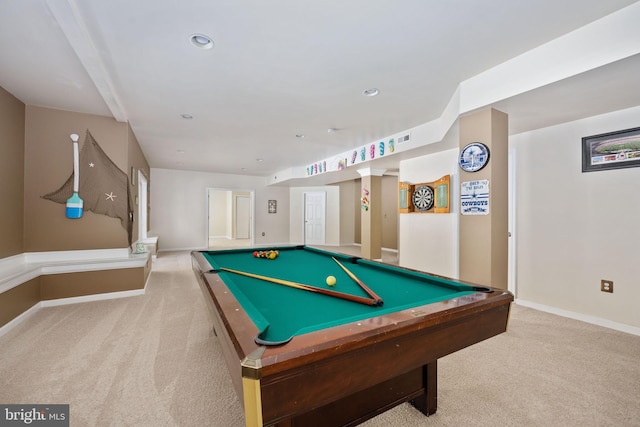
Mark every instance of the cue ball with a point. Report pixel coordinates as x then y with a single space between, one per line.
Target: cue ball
331 280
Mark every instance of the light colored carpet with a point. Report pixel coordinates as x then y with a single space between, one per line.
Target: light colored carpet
152 360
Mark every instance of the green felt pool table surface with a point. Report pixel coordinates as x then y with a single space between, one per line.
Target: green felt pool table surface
282 312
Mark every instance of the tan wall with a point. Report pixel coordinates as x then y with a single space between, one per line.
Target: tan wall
21 298
351 212
390 212
12 119
68 285
17 300
348 211
36 157
49 163
357 190
372 217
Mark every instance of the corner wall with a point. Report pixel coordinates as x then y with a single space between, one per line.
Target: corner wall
350 212
12 119
179 207
332 218
429 242
574 229
49 163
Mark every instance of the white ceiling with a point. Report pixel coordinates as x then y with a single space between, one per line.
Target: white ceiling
287 67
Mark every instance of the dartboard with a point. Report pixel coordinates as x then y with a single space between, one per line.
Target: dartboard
423 198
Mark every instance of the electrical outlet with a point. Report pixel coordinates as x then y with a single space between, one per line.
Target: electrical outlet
606 286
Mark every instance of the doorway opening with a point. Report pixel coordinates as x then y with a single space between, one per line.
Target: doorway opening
143 188
230 218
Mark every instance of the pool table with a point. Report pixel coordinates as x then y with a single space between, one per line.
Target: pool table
301 356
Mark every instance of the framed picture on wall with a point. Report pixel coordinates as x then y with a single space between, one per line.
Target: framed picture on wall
613 150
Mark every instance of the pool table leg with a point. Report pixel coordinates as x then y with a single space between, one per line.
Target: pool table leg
251 374
428 402
252 402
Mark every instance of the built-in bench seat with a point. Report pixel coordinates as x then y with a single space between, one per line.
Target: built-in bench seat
32 280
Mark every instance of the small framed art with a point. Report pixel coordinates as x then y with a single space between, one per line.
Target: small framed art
613 150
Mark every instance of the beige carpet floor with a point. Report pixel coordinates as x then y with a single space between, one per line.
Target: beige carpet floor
153 360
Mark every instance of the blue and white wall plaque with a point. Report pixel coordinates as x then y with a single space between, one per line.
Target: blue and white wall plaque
474 197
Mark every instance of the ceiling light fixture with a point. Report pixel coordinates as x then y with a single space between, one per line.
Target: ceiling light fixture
201 41
332 130
299 135
371 92
186 116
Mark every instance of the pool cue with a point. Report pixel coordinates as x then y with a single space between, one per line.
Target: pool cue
341 295
360 283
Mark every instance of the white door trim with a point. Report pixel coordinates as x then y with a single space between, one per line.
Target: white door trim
142 206
512 284
251 210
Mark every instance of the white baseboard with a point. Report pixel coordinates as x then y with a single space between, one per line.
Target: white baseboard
582 317
182 249
88 298
76 256
19 319
65 301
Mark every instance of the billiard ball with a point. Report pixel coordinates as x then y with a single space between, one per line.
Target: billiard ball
331 280
255 254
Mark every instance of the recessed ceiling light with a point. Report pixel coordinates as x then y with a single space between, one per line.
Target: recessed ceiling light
332 130
258 160
299 135
371 92
201 41
180 151
186 116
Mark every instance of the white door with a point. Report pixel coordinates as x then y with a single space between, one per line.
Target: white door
314 218
243 217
